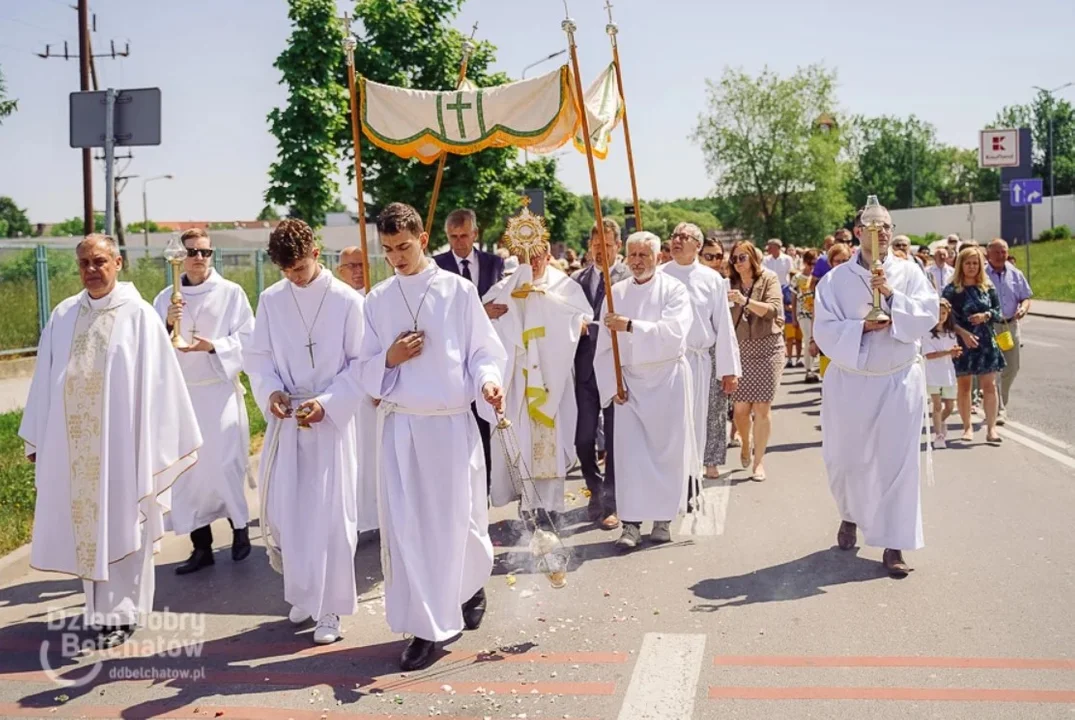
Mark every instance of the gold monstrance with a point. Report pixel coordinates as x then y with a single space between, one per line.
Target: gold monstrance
873 218
174 254
525 233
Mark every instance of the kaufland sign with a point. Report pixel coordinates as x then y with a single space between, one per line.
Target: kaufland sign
998 148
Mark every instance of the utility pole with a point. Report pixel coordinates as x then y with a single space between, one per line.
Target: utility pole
84 85
1052 159
86 73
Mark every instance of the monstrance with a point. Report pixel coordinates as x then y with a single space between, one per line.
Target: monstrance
525 233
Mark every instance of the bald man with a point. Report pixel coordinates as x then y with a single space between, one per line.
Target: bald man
352 268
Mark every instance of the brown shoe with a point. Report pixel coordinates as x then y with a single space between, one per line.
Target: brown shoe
610 523
847 535
893 561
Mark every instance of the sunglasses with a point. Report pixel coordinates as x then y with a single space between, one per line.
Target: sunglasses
712 257
742 257
195 252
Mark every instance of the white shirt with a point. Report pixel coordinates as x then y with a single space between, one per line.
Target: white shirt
781 265
939 277
940 372
472 261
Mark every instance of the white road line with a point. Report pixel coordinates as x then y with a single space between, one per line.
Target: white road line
715 501
1038 343
1037 434
664 684
1048 452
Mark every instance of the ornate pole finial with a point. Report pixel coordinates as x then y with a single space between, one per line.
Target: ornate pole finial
349 43
524 200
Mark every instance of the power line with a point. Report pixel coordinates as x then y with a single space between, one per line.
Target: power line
35 27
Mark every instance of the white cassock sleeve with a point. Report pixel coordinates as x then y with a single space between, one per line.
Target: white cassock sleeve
227 359
914 312
836 335
376 378
341 399
258 360
727 346
486 357
663 339
34 416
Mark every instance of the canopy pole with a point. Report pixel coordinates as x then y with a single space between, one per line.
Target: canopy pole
349 45
612 31
468 48
569 27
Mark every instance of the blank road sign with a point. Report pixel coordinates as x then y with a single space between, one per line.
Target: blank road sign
137 119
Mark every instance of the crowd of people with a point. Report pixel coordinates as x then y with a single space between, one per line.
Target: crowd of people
383 408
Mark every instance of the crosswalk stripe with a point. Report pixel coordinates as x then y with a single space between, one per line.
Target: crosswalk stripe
665 679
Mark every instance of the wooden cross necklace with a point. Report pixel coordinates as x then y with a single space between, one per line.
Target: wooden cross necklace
309 328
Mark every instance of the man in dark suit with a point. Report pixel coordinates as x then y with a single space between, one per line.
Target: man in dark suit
484 270
602 507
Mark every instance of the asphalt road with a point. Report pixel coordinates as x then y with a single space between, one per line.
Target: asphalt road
1043 396
765 621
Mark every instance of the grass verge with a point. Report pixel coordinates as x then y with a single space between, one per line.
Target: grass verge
1051 268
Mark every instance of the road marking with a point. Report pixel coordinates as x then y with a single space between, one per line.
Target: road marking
716 499
1048 452
893 693
1037 434
1037 343
914 661
174 709
665 679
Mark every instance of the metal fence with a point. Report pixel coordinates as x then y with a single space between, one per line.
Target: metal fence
36 278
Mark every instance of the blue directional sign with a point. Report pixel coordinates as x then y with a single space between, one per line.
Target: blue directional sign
1026 192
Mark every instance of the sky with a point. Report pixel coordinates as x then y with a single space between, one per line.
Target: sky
954 63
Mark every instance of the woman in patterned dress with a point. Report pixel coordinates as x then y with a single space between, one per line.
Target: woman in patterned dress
758 317
975 307
716 436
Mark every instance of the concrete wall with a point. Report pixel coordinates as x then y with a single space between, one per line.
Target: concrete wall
986 219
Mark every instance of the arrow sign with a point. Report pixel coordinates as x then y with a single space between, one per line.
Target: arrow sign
1025 192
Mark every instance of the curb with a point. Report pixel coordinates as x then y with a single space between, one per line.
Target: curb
17 368
15 556
1053 316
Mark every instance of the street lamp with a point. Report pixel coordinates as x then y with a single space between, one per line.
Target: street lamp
1052 159
550 56
145 212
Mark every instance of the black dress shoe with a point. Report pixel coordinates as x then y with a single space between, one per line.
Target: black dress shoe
417 655
201 557
240 544
594 510
474 610
111 636
847 535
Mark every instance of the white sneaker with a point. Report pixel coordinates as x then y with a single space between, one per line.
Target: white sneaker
328 629
939 443
298 616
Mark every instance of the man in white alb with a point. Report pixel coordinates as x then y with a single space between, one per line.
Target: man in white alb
351 270
778 262
110 427
215 320
711 331
303 368
654 431
429 351
873 401
547 312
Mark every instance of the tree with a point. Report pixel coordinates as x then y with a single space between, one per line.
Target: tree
560 203
303 177
762 144
6 106
268 214
895 159
74 226
1036 116
140 226
337 206
412 44
14 218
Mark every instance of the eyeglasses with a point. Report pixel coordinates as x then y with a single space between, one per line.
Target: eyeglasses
740 258
204 252
354 265
712 257
681 236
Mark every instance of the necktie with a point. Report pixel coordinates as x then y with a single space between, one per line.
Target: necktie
599 295
466 269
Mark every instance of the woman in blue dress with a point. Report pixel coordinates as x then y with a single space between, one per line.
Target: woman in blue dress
975 307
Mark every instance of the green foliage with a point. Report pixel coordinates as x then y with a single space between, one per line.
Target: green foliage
15 222
303 176
17 492
222 226
1061 232
1036 116
1045 235
560 203
1051 269
413 44
22 265
73 227
762 144
337 206
6 106
140 226
268 214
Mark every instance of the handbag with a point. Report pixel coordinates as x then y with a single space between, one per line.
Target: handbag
1005 340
